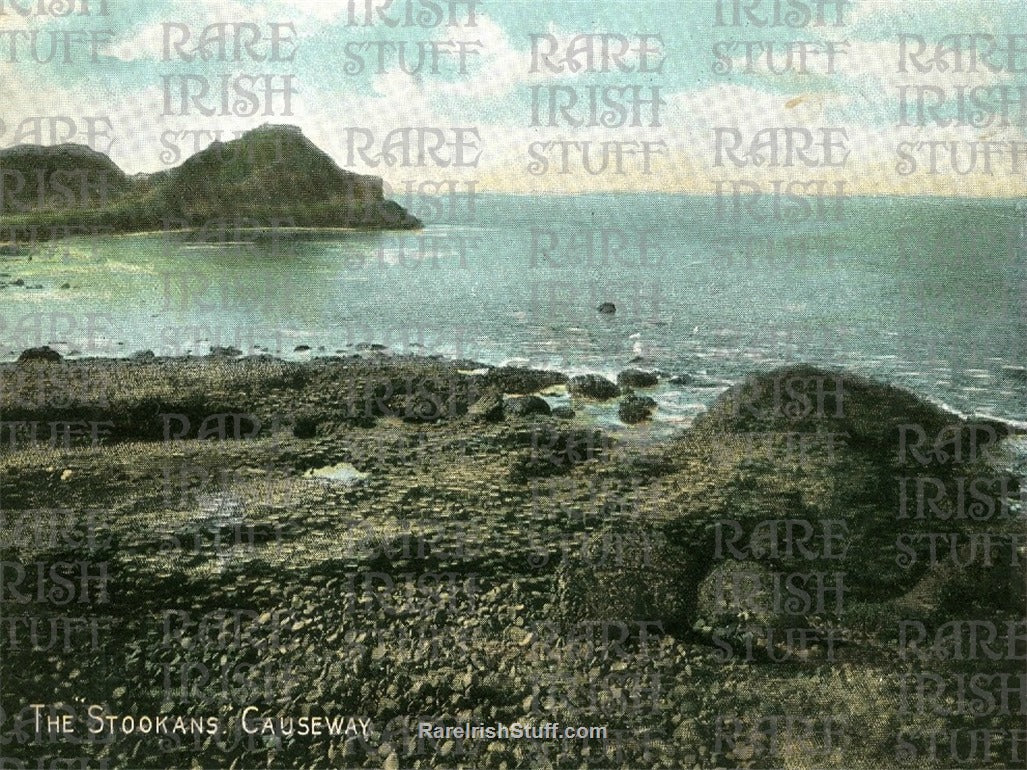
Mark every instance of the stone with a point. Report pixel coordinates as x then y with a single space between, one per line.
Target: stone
44 353
593 386
636 409
513 379
636 378
226 351
488 408
528 406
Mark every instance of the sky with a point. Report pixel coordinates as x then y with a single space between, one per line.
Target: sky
116 66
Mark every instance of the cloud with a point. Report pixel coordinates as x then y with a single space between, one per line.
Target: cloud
146 42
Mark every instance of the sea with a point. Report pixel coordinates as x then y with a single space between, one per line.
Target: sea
926 293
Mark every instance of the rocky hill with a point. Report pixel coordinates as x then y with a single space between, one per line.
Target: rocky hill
271 176
61 177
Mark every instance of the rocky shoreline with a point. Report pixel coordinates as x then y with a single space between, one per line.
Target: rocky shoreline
416 539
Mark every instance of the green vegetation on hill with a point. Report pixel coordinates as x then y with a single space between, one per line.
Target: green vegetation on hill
65 177
272 176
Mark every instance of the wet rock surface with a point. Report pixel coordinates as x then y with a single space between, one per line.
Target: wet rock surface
637 378
634 409
526 406
592 386
512 379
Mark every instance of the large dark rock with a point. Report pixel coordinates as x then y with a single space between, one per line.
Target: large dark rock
305 425
225 351
831 452
44 353
488 408
593 386
636 378
607 308
528 406
636 409
514 379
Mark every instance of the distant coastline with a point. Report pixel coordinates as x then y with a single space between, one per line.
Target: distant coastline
272 177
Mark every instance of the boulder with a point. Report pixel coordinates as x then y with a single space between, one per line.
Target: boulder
563 413
515 379
636 409
593 386
636 378
226 351
607 308
682 379
488 407
44 353
528 406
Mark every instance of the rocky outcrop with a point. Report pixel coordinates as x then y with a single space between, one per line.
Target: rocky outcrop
43 353
635 409
488 408
828 451
58 177
225 351
528 406
636 378
514 379
407 547
593 386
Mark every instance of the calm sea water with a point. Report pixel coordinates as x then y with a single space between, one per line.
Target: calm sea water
927 293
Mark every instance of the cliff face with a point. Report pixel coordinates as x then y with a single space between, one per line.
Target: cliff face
271 176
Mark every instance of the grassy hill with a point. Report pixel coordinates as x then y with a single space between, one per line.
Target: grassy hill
271 176
58 178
